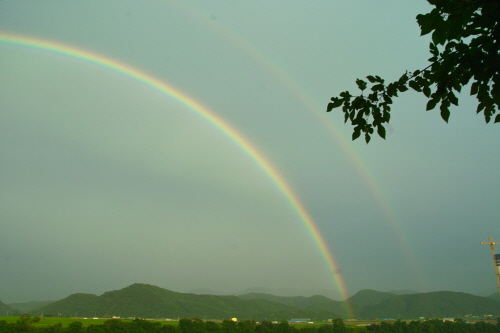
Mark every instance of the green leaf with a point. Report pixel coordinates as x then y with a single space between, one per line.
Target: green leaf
434 49
378 87
387 116
488 112
373 97
427 91
425 23
439 34
336 103
445 112
480 107
431 104
371 79
452 98
402 88
367 138
495 92
361 84
356 133
358 102
381 131
474 88
403 79
414 85
497 118
392 89
457 86
345 95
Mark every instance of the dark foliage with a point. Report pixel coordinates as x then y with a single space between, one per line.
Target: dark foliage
25 325
465 49
435 326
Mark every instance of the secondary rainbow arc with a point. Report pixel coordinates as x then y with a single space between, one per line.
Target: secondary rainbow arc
318 112
239 139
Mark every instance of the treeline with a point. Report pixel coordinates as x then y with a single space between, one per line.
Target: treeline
25 324
435 326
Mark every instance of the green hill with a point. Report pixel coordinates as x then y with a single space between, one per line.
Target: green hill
322 306
5 309
403 292
372 304
369 297
147 301
28 306
432 305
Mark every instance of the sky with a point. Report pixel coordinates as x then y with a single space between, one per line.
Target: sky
207 160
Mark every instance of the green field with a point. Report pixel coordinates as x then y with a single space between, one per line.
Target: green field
65 321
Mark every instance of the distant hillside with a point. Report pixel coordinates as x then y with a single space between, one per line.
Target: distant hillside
403 292
292 292
207 291
369 297
288 292
495 296
432 305
147 301
28 306
5 309
372 304
316 303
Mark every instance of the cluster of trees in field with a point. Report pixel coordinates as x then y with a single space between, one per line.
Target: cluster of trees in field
26 324
435 326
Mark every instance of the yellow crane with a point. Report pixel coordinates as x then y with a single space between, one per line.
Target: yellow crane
496 259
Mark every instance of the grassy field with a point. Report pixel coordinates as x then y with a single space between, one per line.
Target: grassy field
48 321
65 321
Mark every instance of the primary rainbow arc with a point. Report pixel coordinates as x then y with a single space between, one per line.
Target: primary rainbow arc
204 112
310 105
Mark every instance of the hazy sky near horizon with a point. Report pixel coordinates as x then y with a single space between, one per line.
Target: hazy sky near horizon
108 182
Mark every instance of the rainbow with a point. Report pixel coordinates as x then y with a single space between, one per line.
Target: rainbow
325 120
204 112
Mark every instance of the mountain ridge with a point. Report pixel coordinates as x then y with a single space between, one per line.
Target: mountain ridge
148 301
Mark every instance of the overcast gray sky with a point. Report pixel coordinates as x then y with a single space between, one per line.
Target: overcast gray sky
107 181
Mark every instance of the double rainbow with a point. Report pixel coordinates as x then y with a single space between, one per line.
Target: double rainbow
149 80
